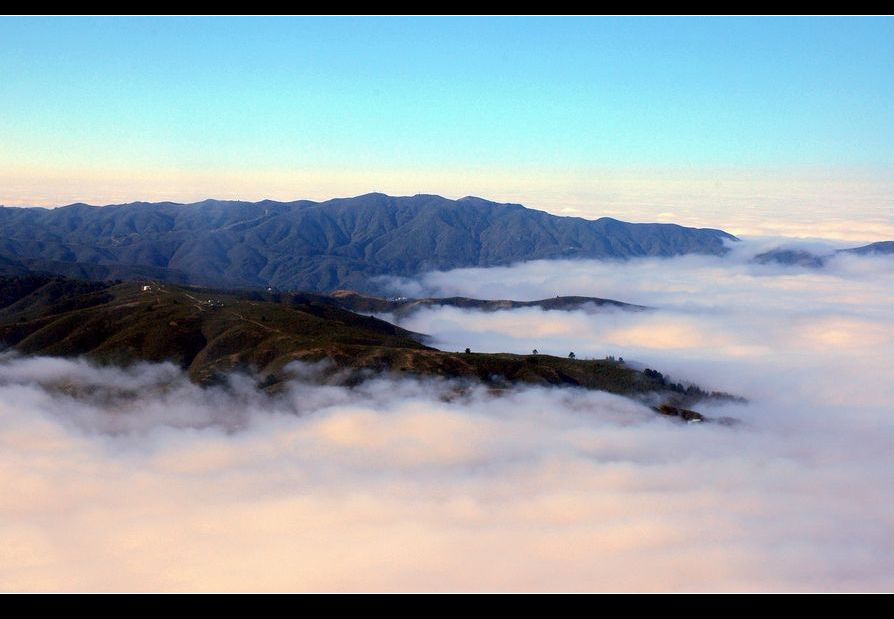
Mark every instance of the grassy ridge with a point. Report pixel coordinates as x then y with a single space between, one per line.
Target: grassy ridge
210 333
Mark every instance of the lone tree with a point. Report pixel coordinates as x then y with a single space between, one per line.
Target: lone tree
468 352
534 352
571 355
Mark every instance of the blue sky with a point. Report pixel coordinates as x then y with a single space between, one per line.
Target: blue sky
411 94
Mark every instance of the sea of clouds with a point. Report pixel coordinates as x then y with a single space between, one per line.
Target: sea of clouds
136 479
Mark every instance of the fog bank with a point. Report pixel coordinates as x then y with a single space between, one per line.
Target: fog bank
138 480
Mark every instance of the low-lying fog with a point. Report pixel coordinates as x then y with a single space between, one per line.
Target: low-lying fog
137 479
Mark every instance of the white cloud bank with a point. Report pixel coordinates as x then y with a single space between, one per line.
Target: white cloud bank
138 480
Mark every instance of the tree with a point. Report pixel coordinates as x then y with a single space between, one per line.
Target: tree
468 352
571 355
534 352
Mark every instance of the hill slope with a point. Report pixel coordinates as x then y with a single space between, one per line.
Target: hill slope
210 333
879 248
324 246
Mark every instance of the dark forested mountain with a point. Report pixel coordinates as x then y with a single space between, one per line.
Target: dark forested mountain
323 246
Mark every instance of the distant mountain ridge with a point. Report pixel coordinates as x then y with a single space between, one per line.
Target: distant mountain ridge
400 307
319 246
804 258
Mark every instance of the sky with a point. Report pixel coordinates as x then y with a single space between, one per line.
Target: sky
124 479
641 118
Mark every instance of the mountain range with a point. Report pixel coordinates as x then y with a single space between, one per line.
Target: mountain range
317 246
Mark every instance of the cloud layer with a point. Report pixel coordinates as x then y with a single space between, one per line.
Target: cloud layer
138 480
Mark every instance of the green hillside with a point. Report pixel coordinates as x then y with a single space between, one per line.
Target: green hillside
210 333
